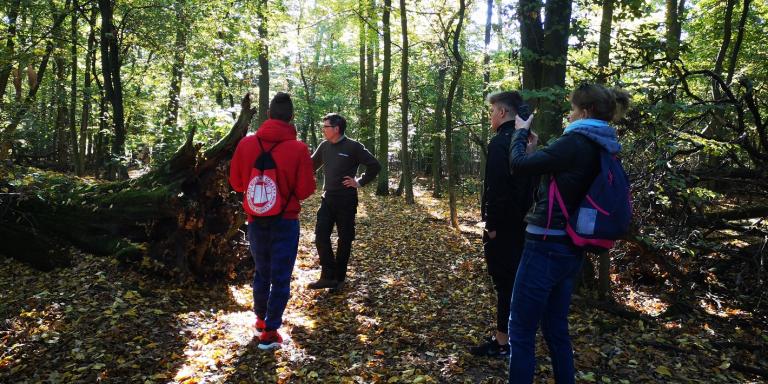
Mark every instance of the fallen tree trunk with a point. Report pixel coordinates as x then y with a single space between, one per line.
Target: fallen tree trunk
181 218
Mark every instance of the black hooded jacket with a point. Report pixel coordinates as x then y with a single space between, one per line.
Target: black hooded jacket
506 197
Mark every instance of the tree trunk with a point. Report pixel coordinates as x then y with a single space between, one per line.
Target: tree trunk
263 62
309 95
180 219
739 39
62 108
363 81
673 16
382 188
459 64
371 53
35 78
486 81
113 86
177 69
604 275
604 46
74 33
9 51
406 157
100 153
437 160
87 92
720 60
674 28
544 54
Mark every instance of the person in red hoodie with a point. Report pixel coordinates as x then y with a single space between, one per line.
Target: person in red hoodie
274 241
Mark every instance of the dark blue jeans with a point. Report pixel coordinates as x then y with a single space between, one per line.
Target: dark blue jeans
542 294
273 248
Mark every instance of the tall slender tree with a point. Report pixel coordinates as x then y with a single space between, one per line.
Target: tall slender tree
383 184
458 65
371 53
673 16
739 39
113 86
604 44
87 92
62 125
9 51
437 132
404 105
177 68
35 77
724 45
263 62
486 83
74 35
363 80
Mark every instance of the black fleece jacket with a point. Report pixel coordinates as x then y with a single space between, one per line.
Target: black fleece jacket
506 197
342 159
573 159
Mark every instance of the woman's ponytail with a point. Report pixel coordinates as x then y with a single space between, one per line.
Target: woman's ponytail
622 103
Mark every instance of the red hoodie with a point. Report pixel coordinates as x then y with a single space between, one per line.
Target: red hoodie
293 163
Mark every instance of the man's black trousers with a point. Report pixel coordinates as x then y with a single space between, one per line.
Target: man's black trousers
338 210
502 256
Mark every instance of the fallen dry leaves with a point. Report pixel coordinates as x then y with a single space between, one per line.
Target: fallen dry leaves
417 297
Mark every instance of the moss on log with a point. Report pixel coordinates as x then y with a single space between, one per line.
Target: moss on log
182 215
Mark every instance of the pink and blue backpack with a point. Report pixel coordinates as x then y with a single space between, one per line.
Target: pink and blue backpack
605 213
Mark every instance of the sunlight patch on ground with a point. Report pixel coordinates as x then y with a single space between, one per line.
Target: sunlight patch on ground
242 294
644 302
391 281
221 338
716 308
211 347
362 213
476 229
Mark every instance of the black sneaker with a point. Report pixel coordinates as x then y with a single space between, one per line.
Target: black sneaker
490 348
323 283
339 287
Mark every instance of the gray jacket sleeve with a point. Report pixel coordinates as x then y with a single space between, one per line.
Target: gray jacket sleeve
372 166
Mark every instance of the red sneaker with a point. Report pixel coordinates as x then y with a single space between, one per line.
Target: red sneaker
270 340
260 325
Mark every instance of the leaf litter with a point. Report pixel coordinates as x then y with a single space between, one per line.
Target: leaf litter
417 297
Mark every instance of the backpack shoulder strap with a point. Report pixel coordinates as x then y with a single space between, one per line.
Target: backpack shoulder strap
261 146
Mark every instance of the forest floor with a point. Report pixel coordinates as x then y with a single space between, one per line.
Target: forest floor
417 297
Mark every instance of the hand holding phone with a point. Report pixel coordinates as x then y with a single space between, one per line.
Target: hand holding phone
524 111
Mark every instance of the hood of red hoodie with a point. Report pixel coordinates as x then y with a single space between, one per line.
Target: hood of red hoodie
274 130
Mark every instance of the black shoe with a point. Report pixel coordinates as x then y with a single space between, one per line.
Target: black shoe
490 348
323 283
339 286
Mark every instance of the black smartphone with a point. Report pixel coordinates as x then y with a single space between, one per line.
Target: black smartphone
524 111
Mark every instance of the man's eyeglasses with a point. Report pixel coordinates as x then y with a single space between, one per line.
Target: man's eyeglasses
327 126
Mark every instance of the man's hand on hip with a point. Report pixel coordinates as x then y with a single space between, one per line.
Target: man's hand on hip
350 182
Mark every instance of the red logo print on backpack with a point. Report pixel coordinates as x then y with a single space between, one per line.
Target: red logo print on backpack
261 194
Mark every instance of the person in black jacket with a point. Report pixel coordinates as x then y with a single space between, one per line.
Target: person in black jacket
550 261
506 198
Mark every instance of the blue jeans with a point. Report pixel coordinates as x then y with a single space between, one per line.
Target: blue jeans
273 248
542 293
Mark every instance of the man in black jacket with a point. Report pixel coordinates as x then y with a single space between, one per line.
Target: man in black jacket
506 199
340 157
